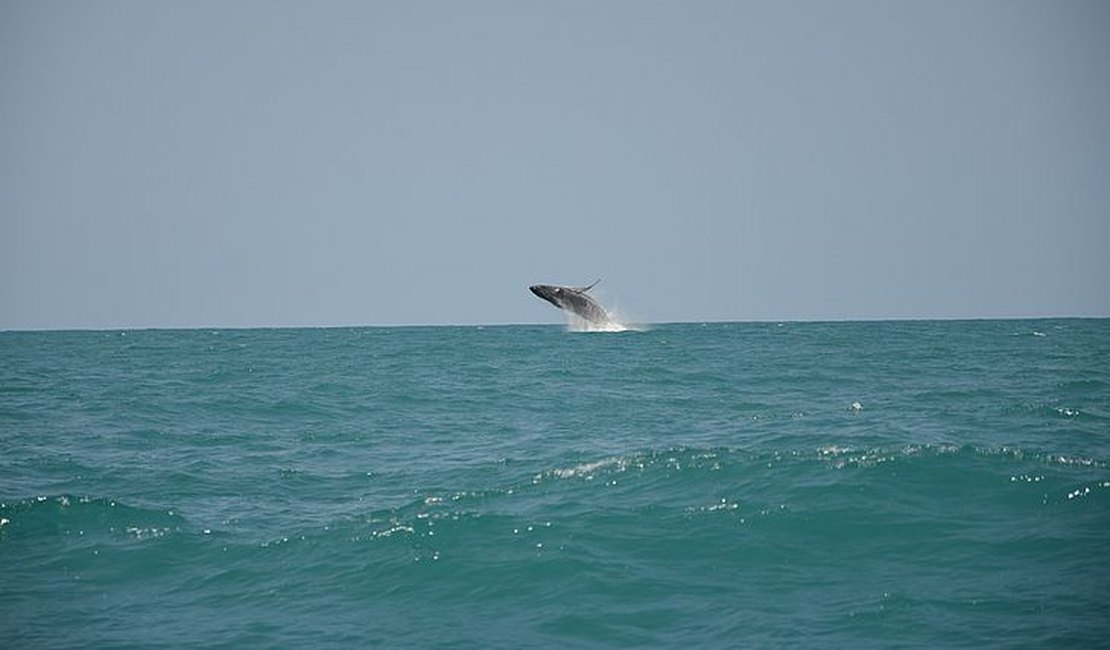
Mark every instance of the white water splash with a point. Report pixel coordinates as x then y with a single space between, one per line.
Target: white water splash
580 325
614 324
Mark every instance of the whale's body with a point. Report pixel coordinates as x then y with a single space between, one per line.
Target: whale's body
573 300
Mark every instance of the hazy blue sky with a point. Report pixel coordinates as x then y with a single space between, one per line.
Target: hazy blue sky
331 163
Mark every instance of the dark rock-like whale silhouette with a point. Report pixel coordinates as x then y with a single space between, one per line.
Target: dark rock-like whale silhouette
573 300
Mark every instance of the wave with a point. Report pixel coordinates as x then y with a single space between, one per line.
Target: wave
676 476
680 482
69 515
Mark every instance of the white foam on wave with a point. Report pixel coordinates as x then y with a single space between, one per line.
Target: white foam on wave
585 469
588 469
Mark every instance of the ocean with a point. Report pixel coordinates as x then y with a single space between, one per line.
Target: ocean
850 484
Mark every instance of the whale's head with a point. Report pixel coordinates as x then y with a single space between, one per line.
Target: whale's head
552 294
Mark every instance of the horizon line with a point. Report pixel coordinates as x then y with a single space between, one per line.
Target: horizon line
142 328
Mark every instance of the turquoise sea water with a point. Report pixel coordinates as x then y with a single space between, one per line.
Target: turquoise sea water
928 484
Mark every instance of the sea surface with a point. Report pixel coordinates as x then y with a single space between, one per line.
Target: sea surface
836 485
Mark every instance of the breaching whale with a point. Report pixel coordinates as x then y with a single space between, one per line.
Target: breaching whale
573 300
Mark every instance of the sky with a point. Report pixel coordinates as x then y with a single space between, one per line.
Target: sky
274 163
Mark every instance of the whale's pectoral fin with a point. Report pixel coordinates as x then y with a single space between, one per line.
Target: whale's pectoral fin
585 289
